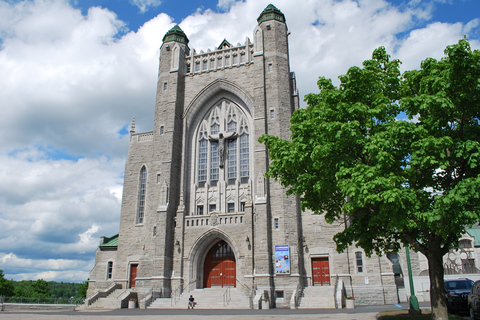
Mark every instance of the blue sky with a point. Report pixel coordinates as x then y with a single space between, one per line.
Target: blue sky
74 73
136 13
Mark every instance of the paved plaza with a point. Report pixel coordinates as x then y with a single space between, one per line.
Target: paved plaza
359 313
179 314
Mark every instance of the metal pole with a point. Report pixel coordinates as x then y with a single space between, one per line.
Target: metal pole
413 299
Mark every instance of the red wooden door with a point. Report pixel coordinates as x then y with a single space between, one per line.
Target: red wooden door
220 267
133 274
321 271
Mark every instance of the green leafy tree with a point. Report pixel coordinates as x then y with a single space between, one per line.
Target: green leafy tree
413 182
82 290
23 289
40 289
6 286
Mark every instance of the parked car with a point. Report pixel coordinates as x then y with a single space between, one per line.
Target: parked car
474 301
457 292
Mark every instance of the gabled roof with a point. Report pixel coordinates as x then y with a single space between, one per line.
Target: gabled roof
224 44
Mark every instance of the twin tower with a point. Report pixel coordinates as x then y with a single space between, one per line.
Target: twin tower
197 210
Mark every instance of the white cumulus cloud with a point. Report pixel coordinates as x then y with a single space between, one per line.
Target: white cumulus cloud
70 83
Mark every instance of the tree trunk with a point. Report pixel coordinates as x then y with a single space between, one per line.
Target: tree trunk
437 285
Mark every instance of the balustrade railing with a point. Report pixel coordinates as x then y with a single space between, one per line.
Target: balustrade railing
219 59
141 137
213 220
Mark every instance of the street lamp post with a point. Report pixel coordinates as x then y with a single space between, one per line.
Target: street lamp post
413 301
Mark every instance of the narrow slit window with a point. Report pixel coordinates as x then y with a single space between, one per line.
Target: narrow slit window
142 191
359 261
242 206
110 270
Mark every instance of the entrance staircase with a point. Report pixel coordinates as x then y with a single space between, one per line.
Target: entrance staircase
208 298
115 300
317 297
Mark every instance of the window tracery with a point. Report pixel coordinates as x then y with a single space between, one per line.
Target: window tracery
223 148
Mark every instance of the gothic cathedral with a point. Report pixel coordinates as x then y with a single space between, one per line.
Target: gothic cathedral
198 214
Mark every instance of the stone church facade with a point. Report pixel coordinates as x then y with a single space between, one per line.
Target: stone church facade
197 211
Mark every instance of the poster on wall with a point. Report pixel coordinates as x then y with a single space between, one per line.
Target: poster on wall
282 259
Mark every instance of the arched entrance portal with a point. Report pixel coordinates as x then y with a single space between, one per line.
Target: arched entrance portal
220 269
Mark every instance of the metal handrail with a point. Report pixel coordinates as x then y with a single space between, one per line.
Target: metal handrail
226 297
176 293
188 285
244 285
251 292
297 295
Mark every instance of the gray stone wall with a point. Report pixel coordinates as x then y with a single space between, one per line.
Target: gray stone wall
98 276
171 243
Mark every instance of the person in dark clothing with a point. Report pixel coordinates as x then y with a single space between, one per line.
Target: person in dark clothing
191 302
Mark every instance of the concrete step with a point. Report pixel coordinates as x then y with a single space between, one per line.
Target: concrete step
109 302
209 298
318 297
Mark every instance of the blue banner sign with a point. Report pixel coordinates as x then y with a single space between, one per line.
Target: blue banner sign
282 259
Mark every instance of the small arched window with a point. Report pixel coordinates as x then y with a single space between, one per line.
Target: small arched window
465 243
142 191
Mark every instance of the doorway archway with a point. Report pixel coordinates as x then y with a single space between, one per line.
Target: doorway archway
220 267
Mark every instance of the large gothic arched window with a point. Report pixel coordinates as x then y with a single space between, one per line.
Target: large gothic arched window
223 146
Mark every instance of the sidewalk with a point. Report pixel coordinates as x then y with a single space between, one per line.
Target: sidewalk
110 315
359 313
185 317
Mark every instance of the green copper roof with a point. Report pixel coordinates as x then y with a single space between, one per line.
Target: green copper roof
271 13
110 242
175 34
474 232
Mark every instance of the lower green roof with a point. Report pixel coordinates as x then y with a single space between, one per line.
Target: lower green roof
474 232
110 242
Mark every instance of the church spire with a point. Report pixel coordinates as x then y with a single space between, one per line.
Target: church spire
271 13
132 128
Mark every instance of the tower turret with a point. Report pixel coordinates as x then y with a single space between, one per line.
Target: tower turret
168 136
271 13
175 34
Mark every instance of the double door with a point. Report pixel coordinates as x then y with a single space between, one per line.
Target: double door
321 271
220 267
